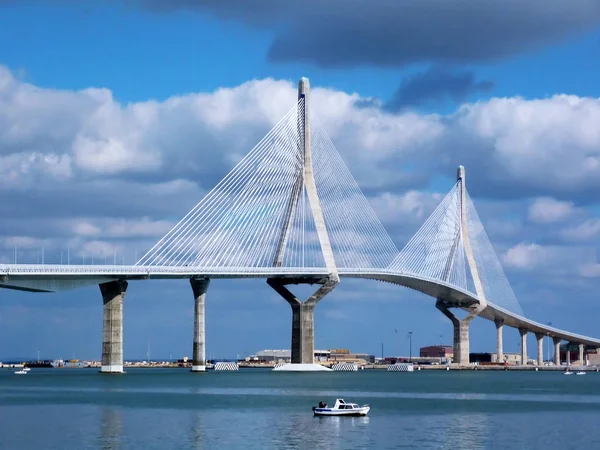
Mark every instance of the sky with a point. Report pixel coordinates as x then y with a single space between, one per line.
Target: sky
116 118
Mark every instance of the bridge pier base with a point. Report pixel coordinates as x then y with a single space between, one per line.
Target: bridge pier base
581 358
199 287
523 333
461 331
540 348
303 318
556 341
499 347
113 294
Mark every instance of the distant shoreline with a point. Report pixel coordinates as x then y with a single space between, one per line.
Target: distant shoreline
380 367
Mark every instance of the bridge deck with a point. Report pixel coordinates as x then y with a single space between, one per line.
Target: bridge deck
50 278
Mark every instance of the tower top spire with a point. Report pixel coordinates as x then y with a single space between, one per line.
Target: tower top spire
303 88
460 173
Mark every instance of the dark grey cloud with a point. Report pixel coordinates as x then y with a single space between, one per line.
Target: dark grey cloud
347 33
344 33
435 85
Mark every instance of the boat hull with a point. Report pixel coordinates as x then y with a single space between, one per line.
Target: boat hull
341 412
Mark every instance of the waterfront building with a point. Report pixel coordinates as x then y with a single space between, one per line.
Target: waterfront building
437 351
509 358
344 356
268 356
331 355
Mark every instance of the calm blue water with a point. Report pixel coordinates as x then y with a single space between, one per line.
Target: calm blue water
172 408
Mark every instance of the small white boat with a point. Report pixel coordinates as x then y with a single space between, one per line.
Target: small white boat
567 372
26 369
20 372
581 372
341 408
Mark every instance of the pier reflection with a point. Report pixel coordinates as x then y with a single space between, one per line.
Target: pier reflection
197 431
111 429
305 431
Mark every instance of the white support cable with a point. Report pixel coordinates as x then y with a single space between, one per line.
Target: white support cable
238 173
347 211
495 283
239 222
262 230
269 236
201 207
334 203
239 196
254 192
430 247
248 212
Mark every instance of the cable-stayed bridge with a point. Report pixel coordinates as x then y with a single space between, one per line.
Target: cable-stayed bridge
291 212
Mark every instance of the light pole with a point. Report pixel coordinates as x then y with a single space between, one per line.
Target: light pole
410 345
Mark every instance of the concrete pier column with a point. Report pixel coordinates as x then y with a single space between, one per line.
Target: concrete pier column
461 331
303 333
523 333
499 347
556 341
568 355
540 348
113 294
461 342
303 318
581 356
199 287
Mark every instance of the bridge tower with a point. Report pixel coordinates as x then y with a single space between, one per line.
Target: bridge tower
303 339
461 326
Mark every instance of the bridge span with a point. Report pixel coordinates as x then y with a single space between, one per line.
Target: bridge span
51 278
291 212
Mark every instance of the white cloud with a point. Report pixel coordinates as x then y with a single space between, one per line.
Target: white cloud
85 228
409 207
540 146
548 145
585 231
525 256
549 210
121 228
100 249
550 260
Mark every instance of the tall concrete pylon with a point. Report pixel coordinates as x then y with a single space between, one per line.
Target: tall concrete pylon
461 326
113 293
303 342
199 288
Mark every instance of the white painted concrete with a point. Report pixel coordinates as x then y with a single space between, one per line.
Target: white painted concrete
302 368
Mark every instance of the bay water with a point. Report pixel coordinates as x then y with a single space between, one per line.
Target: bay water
261 409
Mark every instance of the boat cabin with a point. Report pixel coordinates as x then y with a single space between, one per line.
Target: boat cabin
341 404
